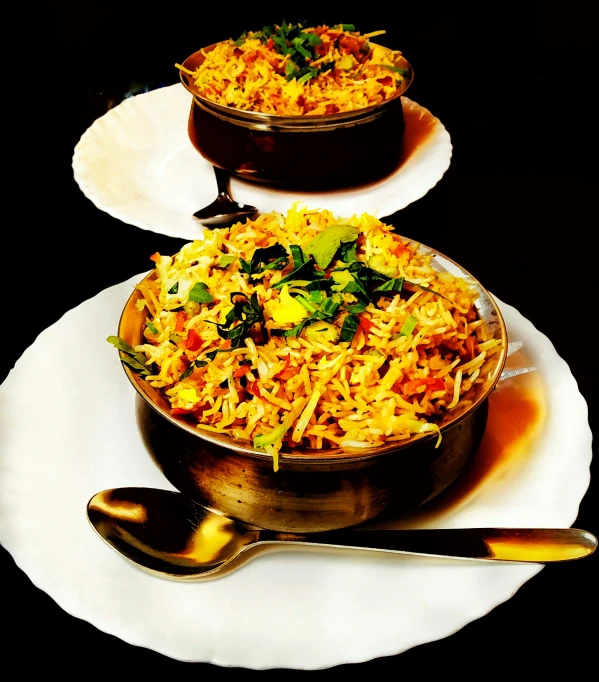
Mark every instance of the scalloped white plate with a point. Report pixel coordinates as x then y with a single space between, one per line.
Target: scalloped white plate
342 608
136 163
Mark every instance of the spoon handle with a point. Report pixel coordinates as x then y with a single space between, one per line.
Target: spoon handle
528 545
222 182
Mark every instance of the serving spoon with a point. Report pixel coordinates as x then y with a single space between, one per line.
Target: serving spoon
223 211
170 535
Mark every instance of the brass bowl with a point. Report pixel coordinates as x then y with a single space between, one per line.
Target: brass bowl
314 490
299 152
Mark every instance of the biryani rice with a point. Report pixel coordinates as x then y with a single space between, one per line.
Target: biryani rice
252 75
311 390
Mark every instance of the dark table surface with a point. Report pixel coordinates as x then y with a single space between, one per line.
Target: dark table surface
518 208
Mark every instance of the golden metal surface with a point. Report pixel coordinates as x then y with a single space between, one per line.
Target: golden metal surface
174 537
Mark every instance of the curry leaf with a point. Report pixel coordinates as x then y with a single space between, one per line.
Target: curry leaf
131 357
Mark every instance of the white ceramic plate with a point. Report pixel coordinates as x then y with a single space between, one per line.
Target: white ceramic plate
136 163
68 431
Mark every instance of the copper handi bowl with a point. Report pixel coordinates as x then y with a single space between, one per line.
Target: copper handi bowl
299 152
314 490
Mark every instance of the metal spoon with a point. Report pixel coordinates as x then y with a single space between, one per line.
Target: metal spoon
223 211
172 536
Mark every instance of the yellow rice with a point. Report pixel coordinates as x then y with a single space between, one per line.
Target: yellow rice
382 386
252 75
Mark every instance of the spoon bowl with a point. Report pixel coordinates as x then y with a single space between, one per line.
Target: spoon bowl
223 211
172 536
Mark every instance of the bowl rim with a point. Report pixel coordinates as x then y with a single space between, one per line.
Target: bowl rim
264 118
339 454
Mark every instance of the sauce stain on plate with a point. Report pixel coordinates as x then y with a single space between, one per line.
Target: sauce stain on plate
420 125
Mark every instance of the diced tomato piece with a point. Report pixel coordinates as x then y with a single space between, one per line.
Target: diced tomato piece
470 347
435 384
226 344
270 44
181 320
155 257
194 342
287 374
196 411
253 389
365 324
398 248
286 366
386 81
240 371
432 384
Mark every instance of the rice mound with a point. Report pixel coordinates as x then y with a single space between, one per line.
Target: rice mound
241 353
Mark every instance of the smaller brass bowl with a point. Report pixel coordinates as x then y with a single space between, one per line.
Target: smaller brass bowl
314 490
299 152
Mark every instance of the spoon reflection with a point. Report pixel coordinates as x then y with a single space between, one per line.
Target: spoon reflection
170 535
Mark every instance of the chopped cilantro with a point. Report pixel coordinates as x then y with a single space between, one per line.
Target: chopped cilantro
349 328
200 294
324 246
269 258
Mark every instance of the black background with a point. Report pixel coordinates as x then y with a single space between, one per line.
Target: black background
513 84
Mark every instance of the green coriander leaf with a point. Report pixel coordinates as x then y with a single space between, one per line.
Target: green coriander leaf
347 252
395 284
349 328
324 246
329 307
298 256
186 373
200 294
152 328
431 291
359 307
305 271
174 289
